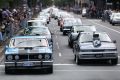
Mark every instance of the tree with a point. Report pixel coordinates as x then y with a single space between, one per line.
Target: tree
63 3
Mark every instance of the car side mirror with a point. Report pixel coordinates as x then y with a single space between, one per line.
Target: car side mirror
114 41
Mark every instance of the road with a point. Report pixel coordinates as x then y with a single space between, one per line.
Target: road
64 65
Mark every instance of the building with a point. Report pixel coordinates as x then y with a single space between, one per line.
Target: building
103 4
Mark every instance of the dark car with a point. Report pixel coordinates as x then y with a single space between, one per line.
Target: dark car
68 23
95 46
75 30
40 31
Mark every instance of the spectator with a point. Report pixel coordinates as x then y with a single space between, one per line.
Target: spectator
1 18
1 36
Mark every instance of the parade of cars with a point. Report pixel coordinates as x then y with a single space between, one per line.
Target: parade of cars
34 49
95 46
28 52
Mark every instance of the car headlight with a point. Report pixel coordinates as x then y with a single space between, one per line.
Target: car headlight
39 56
47 56
9 57
17 57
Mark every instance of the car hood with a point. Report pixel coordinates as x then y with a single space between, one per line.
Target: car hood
102 46
23 50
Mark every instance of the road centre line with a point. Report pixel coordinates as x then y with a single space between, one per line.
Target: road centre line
56 36
62 65
105 27
87 70
57 45
60 54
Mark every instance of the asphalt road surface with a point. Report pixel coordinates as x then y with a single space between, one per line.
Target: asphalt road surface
64 65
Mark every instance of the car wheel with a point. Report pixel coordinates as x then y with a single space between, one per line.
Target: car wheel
74 58
113 24
114 61
48 22
110 22
77 60
64 33
7 71
50 70
61 29
71 45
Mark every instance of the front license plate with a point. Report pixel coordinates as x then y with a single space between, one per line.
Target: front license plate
27 63
98 55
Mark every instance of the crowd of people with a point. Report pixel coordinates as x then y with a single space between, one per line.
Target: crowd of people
11 21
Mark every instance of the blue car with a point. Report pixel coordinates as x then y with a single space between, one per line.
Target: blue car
28 52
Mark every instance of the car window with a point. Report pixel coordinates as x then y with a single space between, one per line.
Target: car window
89 38
84 28
28 42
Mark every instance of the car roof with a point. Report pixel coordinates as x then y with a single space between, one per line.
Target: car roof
85 27
41 37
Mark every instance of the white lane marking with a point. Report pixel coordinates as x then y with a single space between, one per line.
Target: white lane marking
60 54
56 36
87 70
118 56
105 27
71 64
61 65
57 45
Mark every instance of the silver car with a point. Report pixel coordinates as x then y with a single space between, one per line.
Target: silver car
75 30
95 46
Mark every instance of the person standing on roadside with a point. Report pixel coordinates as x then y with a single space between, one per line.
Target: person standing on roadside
1 18
1 36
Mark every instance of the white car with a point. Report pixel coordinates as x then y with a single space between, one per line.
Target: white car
115 18
84 12
36 22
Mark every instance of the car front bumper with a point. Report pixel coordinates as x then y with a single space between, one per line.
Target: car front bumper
116 22
29 64
98 56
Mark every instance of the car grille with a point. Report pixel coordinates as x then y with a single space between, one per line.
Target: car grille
98 55
68 27
31 57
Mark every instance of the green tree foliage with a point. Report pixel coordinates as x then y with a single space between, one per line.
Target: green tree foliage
62 3
46 2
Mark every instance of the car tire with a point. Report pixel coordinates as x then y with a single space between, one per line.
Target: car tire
77 60
114 61
110 22
71 45
6 70
50 70
74 58
61 29
48 22
64 33
113 24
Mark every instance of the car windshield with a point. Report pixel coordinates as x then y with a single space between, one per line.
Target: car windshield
35 23
89 38
84 28
28 42
117 15
42 31
69 22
